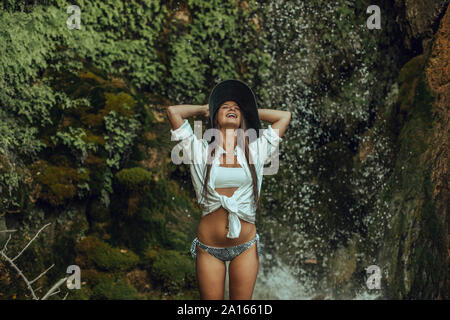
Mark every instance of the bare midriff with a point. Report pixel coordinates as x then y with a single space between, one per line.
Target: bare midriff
213 227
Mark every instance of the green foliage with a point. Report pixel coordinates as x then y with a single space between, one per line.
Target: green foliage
123 39
221 42
34 49
74 93
178 240
73 138
162 216
18 137
120 134
10 180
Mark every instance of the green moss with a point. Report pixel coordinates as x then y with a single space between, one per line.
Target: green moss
100 254
92 119
59 183
159 196
172 269
192 294
114 290
177 240
121 102
147 227
92 138
84 293
414 140
415 243
94 161
407 80
138 153
412 69
133 180
428 258
97 211
89 75
423 100
108 258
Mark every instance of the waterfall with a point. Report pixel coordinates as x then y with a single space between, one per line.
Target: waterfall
322 206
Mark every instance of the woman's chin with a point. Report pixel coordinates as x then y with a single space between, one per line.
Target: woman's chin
230 123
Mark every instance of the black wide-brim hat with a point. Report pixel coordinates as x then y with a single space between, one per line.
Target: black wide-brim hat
239 92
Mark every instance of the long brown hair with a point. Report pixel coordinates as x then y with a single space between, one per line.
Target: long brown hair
243 126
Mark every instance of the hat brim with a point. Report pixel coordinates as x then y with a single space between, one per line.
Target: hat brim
238 91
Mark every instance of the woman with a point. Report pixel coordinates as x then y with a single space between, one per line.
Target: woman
227 177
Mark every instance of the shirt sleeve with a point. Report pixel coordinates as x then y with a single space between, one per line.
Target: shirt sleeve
192 146
193 149
267 145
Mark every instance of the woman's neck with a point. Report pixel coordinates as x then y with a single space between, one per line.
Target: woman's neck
229 139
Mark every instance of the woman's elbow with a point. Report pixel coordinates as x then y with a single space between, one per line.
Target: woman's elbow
172 113
288 116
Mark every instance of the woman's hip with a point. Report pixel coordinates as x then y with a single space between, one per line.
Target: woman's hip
225 253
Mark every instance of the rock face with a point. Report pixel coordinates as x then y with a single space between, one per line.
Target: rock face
413 253
415 248
418 20
438 76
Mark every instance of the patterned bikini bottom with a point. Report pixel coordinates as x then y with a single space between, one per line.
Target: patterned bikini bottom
225 254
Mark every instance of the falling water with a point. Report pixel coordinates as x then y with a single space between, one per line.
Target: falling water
333 159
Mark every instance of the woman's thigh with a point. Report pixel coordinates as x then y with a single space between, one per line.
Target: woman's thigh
242 274
210 276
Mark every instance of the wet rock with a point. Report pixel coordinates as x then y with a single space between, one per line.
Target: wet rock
418 20
415 251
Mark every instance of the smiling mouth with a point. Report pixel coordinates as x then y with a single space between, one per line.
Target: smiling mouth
232 115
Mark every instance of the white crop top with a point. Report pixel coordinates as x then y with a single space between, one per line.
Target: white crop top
228 177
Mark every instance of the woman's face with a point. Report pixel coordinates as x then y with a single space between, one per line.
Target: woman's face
229 115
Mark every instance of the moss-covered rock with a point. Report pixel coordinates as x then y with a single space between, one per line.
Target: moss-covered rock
407 80
95 252
97 211
172 270
145 228
114 290
84 293
133 180
121 102
59 183
414 252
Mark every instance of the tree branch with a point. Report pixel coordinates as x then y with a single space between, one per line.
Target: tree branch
11 262
56 286
35 279
6 244
28 283
35 236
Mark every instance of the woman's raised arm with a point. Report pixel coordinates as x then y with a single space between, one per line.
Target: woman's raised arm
178 113
278 119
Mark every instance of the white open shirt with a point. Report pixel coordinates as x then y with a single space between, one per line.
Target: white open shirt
240 204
